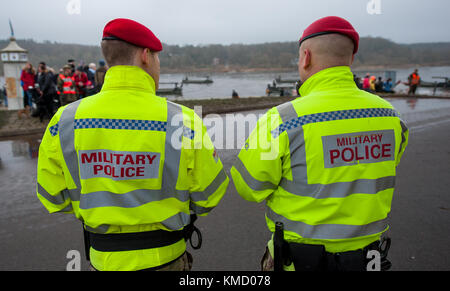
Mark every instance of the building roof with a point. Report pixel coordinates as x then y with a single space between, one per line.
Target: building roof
13 47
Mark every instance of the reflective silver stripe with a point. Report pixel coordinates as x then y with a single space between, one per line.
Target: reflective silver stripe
287 112
339 189
67 141
211 189
57 199
67 208
101 229
199 209
177 221
328 231
171 155
253 183
131 199
296 150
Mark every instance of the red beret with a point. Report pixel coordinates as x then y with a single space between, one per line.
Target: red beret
331 24
132 32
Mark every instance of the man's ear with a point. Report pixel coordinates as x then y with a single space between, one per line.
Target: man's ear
306 59
145 56
353 58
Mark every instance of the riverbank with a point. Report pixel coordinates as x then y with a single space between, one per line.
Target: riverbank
293 69
14 124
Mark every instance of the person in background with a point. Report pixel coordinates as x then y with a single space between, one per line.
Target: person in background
100 75
71 63
28 78
81 81
366 82
66 86
235 94
387 86
47 92
372 83
414 82
90 72
379 85
4 95
357 81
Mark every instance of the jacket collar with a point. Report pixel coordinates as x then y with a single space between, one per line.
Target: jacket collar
328 79
120 77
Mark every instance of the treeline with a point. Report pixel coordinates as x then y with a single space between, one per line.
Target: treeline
373 52
383 52
56 54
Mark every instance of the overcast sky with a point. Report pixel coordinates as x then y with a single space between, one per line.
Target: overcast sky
224 21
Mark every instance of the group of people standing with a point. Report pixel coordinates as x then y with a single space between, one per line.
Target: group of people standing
49 90
372 84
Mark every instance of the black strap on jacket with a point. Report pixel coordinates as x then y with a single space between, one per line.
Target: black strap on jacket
307 257
116 242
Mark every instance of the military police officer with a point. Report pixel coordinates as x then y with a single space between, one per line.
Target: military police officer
324 163
130 165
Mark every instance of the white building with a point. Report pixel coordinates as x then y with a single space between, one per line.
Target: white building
14 59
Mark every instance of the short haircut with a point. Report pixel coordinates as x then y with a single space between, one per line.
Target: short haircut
118 52
334 45
331 49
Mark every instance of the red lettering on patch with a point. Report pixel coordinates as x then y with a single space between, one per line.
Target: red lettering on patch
92 158
118 165
334 154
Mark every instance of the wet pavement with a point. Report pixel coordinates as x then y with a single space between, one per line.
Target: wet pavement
235 234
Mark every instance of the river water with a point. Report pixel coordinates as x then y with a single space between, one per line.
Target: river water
255 84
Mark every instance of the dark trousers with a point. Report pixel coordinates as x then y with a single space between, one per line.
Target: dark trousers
45 107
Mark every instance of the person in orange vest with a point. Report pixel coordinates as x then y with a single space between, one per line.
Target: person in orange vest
66 86
414 82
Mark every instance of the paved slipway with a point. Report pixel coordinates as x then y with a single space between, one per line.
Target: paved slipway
235 234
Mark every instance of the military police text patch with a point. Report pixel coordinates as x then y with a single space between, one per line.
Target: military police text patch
358 147
118 165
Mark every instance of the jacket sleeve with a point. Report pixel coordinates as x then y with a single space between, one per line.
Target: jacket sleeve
257 170
51 185
46 83
209 181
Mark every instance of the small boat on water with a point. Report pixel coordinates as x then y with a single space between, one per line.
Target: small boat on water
291 81
205 81
170 91
279 90
444 85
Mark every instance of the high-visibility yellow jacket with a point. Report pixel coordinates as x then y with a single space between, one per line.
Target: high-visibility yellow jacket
126 161
325 163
